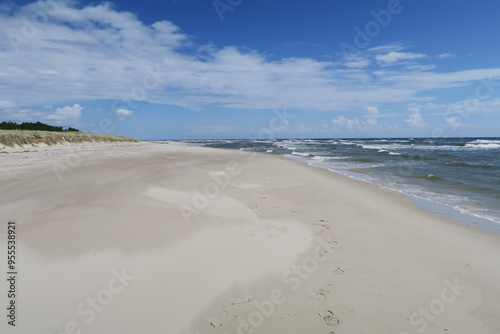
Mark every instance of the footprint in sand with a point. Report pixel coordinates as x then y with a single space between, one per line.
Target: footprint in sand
215 322
329 318
322 293
339 271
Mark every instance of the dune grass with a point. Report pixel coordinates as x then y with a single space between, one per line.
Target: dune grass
19 138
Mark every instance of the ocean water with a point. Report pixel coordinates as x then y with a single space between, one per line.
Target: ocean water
458 178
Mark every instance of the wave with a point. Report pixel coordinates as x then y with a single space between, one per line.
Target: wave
432 177
471 165
427 145
485 141
303 154
483 146
365 160
388 152
289 147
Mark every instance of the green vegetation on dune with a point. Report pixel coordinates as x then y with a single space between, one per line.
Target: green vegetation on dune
13 138
34 126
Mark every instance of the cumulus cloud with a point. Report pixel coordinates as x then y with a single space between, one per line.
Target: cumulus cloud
343 123
6 105
123 113
372 115
368 121
415 118
68 116
452 122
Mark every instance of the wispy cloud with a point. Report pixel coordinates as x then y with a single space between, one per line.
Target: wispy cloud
99 53
394 57
445 56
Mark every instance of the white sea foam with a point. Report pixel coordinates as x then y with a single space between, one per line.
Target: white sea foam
484 141
302 154
483 144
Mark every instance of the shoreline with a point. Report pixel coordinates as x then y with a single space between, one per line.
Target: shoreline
441 210
219 241
446 210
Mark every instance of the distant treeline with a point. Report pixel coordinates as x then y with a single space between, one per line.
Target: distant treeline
33 126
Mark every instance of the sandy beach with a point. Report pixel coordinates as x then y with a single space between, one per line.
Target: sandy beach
168 238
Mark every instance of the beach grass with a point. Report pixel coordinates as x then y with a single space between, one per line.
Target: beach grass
20 138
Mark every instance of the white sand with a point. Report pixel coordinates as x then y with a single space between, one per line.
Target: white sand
166 238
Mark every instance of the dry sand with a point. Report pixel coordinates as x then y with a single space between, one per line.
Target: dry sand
166 238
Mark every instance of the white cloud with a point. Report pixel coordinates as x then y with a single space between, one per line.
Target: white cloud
114 56
123 113
372 115
370 121
343 123
463 107
445 55
372 110
393 57
66 115
415 118
357 61
452 122
6 105
313 130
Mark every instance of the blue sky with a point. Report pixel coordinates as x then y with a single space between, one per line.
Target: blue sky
187 69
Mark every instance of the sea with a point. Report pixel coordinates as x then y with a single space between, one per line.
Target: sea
458 178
